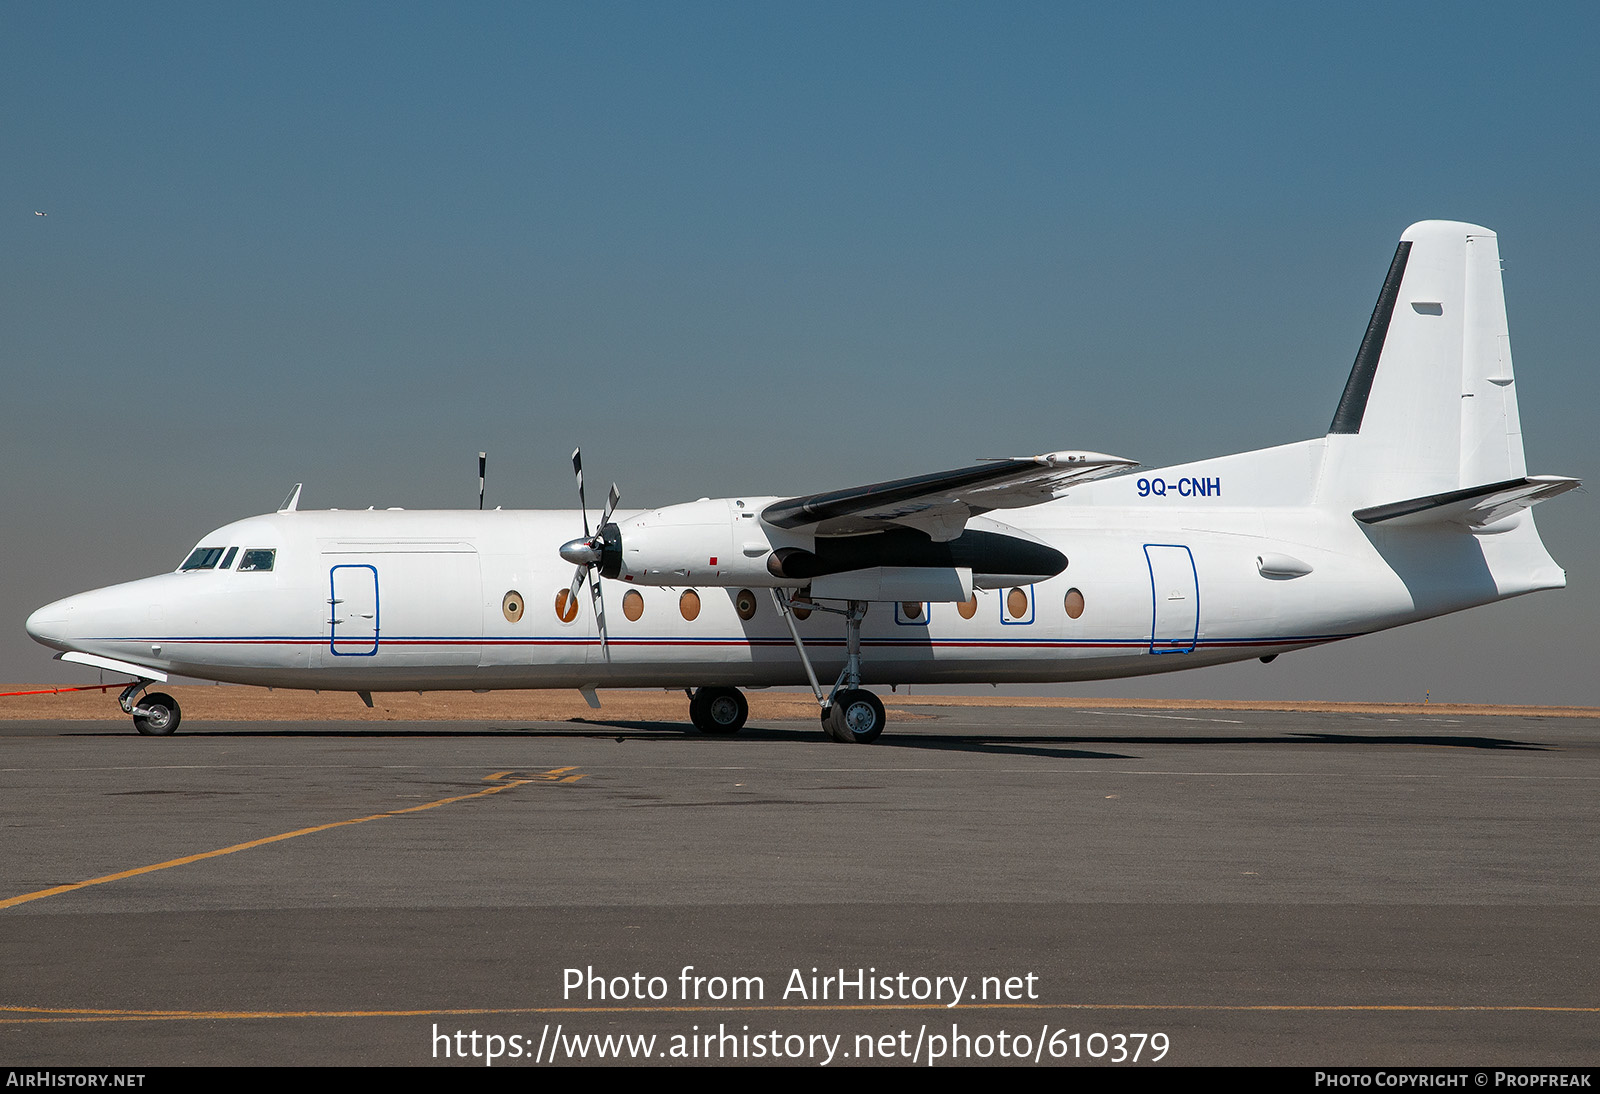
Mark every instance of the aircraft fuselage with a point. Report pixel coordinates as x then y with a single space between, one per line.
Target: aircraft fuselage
1165 570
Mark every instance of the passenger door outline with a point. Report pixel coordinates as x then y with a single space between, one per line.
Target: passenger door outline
350 595
1174 598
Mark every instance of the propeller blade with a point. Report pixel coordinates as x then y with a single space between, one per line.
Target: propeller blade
611 506
600 614
577 469
591 547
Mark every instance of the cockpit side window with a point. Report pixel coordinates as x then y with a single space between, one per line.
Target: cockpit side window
203 558
258 559
227 559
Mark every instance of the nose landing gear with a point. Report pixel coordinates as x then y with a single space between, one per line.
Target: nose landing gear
154 715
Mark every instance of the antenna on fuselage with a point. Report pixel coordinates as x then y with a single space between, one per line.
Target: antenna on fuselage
292 502
483 463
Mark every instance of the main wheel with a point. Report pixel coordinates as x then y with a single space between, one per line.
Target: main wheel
718 711
856 717
157 715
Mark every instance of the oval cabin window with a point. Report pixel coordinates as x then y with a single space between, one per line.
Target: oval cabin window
745 604
566 606
968 607
1017 603
689 604
512 606
1074 603
633 605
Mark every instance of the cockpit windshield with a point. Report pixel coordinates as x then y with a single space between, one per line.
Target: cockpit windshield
203 558
258 559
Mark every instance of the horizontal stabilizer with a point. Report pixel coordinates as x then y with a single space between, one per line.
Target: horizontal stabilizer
1474 507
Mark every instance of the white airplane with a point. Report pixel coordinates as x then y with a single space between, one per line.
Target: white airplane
1413 505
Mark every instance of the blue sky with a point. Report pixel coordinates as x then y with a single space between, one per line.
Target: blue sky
758 248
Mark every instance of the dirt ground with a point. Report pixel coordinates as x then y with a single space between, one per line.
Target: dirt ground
220 703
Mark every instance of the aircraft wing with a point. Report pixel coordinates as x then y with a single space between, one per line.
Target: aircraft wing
939 504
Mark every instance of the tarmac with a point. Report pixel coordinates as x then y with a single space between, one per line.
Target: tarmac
1086 886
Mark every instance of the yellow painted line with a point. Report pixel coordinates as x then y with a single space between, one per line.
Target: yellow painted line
501 779
26 1015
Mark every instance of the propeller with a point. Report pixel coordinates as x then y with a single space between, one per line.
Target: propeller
586 553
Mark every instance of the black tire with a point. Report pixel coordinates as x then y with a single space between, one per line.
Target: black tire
157 715
856 717
720 712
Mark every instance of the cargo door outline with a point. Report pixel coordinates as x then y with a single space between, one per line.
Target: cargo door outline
353 605
1174 598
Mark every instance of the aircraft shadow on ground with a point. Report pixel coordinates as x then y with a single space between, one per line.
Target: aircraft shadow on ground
1044 744
1058 745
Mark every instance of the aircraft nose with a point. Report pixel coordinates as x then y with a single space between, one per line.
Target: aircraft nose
48 626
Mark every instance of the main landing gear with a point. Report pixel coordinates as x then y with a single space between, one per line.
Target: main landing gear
718 711
155 714
849 714
854 717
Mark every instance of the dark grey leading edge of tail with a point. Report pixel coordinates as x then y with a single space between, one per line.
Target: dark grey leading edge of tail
1353 403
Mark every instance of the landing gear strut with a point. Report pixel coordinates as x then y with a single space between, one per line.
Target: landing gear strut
154 715
718 711
849 714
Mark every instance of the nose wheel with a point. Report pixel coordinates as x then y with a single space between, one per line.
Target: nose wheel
157 715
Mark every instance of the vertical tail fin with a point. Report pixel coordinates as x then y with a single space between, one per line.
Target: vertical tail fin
1430 406
1426 438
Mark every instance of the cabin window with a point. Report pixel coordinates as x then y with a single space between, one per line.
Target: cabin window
566 606
745 604
512 606
258 559
799 605
1017 608
1074 603
202 558
968 607
912 613
632 605
689 605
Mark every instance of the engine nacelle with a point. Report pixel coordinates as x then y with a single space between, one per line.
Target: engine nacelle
714 541
724 542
